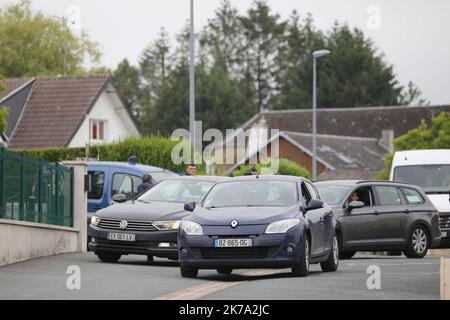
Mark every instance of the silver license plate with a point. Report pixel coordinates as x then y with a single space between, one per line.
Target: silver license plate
233 243
122 237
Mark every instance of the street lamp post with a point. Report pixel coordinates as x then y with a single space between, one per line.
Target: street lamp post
192 77
316 55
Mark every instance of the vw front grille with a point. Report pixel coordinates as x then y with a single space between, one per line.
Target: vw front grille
132 225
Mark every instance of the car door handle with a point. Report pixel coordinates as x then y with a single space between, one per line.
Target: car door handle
376 213
407 211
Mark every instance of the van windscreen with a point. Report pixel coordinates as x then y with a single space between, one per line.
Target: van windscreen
434 179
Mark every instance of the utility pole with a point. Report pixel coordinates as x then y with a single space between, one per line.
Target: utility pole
192 77
316 55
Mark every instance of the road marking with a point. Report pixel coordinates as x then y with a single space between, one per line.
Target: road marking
206 289
394 264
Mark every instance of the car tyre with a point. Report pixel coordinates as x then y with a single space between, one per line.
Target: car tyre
188 272
418 243
332 263
301 269
224 270
109 257
346 255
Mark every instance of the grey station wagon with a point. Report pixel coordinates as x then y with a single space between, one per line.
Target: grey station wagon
382 216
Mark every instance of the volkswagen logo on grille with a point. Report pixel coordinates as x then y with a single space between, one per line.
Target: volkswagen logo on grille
234 224
123 224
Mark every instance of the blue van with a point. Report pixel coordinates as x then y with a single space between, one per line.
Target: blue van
109 178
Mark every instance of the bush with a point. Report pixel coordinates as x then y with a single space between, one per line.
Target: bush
286 168
153 150
436 136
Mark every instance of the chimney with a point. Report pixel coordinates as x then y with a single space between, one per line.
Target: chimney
387 140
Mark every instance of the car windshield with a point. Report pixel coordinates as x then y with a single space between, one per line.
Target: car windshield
434 179
160 176
261 193
332 195
177 191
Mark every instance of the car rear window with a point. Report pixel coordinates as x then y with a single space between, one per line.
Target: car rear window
412 196
388 196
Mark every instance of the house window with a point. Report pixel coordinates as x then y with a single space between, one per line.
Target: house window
97 130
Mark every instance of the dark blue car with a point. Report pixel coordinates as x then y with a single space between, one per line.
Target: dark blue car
259 222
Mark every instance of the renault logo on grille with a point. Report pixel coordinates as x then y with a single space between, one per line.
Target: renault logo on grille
234 223
123 224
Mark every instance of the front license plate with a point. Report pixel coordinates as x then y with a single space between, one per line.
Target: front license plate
122 237
444 234
233 243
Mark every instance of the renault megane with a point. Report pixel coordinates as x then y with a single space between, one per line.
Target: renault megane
259 222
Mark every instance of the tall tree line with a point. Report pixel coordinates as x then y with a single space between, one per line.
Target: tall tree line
255 62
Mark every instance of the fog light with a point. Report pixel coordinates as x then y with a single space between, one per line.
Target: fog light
184 251
289 249
174 244
164 245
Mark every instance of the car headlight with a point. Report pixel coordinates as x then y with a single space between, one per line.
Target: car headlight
167 225
95 220
191 228
282 226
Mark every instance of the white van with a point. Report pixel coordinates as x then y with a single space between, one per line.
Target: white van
429 169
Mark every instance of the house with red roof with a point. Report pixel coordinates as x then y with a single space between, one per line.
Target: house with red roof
64 112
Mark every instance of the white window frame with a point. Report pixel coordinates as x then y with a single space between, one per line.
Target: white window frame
97 122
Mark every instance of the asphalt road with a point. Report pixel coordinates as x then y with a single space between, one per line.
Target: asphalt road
132 278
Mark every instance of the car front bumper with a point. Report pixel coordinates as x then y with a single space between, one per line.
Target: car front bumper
268 251
147 243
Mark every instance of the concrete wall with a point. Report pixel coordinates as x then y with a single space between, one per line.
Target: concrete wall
21 241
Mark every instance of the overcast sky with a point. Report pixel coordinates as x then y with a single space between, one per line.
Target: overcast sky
413 34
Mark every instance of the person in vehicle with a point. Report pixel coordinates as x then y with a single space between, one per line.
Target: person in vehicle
354 196
146 184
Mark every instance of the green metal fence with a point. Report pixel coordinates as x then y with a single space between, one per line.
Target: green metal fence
35 190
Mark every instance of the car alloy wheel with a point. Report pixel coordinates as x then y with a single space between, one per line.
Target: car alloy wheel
419 241
307 254
335 250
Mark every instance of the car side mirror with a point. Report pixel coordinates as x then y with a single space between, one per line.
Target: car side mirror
315 204
119 198
356 205
190 206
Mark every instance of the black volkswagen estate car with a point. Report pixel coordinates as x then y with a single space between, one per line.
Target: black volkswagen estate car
382 216
148 225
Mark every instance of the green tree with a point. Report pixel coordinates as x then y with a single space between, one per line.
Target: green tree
436 136
156 61
127 79
3 114
264 34
33 44
294 60
354 75
222 39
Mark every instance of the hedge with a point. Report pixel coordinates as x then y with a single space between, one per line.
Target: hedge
286 168
153 150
